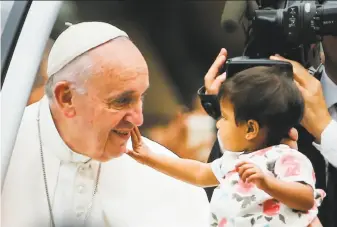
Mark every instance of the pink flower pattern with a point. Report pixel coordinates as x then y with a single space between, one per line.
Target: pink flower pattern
244 188
292 165
271 207
223 222
262 207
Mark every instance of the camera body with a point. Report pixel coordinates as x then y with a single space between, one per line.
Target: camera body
289 28
238 64
291 31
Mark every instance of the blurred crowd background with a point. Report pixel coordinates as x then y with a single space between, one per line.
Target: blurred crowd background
179 40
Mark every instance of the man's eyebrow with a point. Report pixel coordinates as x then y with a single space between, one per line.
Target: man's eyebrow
125 94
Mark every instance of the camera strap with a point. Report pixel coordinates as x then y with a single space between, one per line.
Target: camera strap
316 72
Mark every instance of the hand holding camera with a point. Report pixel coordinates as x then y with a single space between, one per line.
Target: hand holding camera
316 116
212 79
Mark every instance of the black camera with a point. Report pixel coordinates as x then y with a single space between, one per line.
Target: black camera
238 64
289 28
290 31
285 27
232 67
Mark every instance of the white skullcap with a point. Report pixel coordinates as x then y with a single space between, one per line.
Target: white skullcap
78 39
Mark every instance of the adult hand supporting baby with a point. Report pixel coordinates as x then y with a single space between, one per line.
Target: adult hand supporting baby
291 141
316 115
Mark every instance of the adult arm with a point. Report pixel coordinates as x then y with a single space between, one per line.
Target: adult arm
317 119
328 145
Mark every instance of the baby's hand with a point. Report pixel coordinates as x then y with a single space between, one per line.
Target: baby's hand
140 151
251 173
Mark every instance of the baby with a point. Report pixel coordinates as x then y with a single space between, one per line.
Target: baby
260 181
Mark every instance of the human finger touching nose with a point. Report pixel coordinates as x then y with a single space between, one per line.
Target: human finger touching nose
139 149
134 139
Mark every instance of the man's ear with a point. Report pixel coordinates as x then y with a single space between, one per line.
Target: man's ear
252 130
64 98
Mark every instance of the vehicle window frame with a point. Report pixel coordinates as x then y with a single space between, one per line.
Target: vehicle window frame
11 32
20 74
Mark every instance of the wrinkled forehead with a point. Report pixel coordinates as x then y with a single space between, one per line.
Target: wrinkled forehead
118 66
118 55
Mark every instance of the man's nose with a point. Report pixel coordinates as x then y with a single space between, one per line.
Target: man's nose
135 116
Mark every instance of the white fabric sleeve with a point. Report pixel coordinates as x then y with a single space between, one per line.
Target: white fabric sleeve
222 166
293 166
187 203
216 168
328 146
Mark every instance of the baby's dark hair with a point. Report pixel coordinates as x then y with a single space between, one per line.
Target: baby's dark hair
267 95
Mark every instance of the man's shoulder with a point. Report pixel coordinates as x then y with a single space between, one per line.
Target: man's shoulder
26 129
158 148
128 166
30 112
125 171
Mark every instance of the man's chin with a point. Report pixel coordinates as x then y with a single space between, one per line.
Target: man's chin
120 153
114 152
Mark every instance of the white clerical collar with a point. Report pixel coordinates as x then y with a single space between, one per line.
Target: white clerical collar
329 90
52 139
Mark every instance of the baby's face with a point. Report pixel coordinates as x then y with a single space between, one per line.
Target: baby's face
231 135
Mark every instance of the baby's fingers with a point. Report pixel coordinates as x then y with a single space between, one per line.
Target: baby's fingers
252 178
247 173
244 167
135 155
139 136
130 152
134 138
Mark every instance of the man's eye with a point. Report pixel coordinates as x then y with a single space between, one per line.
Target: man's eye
119 103
123 101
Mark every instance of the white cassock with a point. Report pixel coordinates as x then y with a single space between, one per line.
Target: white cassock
128 194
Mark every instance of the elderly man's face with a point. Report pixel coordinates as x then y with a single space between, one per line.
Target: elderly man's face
112 105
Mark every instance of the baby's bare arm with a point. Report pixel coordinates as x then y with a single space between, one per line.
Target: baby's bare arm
190 171
293 194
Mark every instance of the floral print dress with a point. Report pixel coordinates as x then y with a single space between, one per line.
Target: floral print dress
235 203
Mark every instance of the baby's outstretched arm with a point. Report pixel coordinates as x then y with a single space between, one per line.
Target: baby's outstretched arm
293 194
190 171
